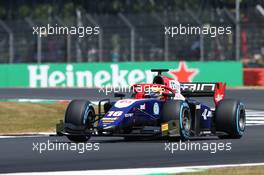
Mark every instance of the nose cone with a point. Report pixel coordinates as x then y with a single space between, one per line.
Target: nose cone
118 116
110 122
109 128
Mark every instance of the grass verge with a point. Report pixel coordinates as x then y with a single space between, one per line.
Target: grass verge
250 170
29 117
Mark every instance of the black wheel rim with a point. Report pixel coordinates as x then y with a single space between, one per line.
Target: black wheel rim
242 120
186 120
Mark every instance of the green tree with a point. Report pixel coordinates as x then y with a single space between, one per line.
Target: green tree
24 11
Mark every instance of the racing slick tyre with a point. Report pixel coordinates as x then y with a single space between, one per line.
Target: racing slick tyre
78 117
230 118
178 110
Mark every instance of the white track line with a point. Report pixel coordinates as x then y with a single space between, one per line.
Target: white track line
256 122
39 134
143 171
254 117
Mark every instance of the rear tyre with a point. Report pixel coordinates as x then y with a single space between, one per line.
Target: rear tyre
78 118
178 110
230 118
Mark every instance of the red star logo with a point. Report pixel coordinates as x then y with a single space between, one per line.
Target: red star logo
183 73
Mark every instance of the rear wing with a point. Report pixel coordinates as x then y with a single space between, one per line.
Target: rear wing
200 89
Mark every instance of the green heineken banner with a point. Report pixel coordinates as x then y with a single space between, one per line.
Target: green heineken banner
116 74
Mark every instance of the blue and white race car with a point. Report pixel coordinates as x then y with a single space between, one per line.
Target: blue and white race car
165 108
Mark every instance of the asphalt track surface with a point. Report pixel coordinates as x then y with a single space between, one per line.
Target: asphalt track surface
17 155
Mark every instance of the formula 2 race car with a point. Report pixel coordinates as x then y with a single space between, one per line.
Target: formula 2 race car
165 108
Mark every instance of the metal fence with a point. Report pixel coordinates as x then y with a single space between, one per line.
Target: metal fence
132 37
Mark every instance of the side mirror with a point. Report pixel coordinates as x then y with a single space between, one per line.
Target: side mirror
171 95
120 95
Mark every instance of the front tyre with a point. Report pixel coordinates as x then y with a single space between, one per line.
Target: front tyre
231 119
78 118
185 122
178 110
